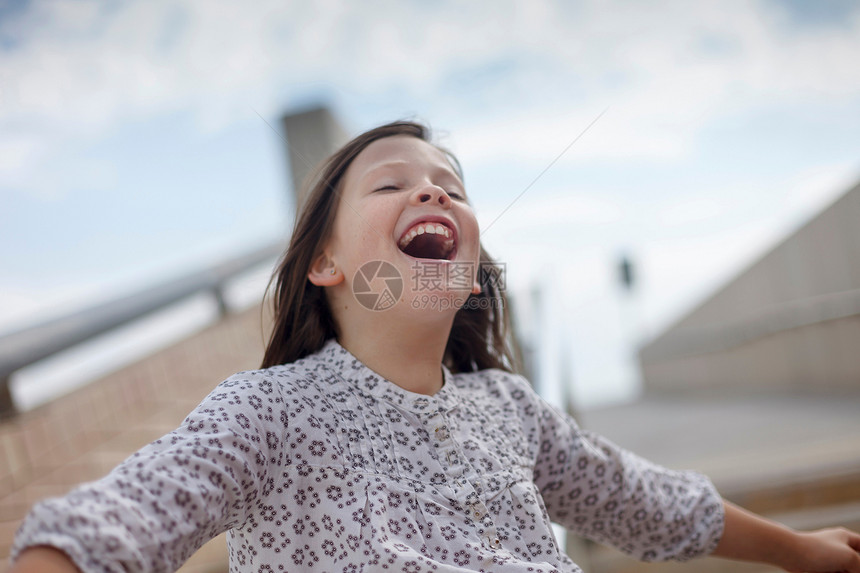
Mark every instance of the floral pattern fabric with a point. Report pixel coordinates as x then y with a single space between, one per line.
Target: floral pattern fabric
323 465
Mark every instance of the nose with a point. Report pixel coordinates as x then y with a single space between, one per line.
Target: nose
432 194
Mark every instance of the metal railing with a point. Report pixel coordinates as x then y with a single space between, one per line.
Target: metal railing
29 345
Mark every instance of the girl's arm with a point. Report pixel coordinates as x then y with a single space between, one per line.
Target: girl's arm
169 498
748 537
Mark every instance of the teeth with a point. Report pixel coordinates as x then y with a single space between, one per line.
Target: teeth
427 228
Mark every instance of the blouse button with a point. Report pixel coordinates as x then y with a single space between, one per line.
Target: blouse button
441 433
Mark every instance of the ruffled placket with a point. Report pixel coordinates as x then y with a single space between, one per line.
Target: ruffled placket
436 416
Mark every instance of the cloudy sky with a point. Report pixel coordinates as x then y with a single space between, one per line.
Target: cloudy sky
132 147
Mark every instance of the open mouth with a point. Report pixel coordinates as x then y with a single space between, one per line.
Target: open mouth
428 241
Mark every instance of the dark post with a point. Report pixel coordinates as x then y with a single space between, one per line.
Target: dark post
626 273
7 405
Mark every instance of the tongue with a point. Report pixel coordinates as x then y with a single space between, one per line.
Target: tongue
427 246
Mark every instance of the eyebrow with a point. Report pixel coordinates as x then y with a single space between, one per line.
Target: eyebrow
446 170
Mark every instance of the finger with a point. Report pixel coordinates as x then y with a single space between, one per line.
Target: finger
854 543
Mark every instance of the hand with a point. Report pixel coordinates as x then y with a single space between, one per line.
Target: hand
43 559
751 537
827 550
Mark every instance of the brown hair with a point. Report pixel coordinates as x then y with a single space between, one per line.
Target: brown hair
481 336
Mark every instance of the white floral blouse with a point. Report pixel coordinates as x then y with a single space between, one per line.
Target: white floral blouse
323 465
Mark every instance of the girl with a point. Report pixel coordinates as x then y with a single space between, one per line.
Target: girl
386 430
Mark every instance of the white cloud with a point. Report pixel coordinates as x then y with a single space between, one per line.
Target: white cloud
571 209
18 151
82 66
664 73
664 70
692 210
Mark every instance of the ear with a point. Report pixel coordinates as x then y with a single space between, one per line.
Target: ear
324 272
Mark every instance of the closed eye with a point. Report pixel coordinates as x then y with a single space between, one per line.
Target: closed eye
388 188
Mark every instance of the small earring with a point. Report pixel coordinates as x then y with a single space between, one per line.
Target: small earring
333 271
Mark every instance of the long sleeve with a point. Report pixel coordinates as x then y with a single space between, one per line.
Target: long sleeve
162 503
605 493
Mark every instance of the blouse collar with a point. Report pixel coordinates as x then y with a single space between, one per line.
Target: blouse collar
351 370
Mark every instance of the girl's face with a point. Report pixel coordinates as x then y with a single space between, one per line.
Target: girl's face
403 203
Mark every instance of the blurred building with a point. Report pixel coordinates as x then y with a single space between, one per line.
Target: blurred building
312 135
790 322
759 388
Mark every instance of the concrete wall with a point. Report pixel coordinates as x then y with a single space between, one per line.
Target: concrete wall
790 321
